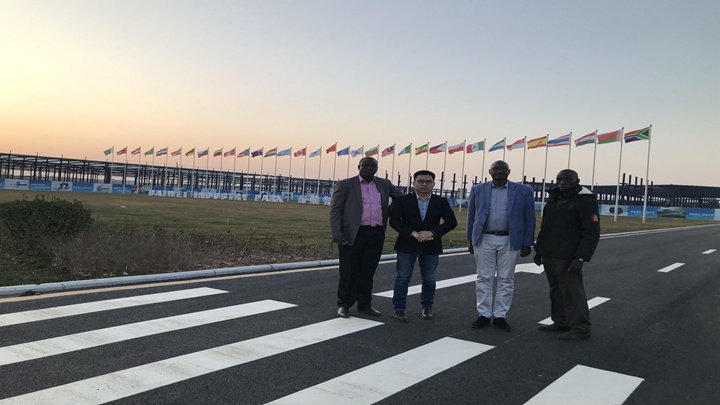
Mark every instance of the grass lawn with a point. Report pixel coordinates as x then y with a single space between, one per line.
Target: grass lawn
289 222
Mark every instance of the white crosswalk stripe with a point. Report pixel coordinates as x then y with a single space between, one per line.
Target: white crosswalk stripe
587 386
90 307
671 267
85 340
380 380
591 304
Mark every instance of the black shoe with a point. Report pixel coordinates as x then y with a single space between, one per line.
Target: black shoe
575 334
481 322
343 312
400 316
370 311
427 314
502 324
556 327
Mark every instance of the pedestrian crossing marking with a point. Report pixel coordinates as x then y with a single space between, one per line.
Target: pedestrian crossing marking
85 340
671 267
416 289
591 304
380 380
587 386
136 380
98 306
707 252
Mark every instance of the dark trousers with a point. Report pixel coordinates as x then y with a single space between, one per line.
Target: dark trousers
568 302
357 267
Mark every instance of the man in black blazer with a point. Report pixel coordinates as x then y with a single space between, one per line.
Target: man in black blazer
416 217
358 217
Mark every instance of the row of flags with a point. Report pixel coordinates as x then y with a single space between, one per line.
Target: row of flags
523 143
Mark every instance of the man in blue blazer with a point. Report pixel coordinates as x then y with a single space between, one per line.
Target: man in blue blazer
500 227
358 217
417 219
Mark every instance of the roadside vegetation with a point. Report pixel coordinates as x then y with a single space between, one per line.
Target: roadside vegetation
47 237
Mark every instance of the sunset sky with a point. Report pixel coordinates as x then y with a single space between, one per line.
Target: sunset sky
78 77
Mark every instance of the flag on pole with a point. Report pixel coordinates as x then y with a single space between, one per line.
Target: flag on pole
122 151
301 152
331 149
537 142
498 146
231 152
587 139
559 141
150 152
135 152
422 149
519 144
316 153
343 152
257 153
405 150
284 152
475 147
177 152
109 151
456 148
190 152
218 152
271 152
244 153
609 137
390 150
638 135
204 152
438 148
162 152
357 152
372 151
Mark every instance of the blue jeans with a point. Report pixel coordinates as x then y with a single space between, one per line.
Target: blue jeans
404 267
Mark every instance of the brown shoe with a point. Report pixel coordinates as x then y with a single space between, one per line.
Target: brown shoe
370 311
575 334
556 327
343 312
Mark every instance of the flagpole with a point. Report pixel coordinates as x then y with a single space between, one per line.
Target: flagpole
542 201
125 171
462 176
392 167
275 182
180 170
207 169
334 167
319 168
522 177
137 179
504 147
483 166
233 176
304 171
192 186
290 169
167 155
347 175
247 174
262 161
569 148
647 175
617 187
427 155
442 184
112 163
409 162
152 173
592 184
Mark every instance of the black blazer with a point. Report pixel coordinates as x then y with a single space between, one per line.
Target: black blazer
405 219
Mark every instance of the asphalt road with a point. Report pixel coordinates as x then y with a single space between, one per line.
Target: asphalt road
655 339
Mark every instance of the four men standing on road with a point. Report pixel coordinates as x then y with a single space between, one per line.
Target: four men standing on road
417 219
500 228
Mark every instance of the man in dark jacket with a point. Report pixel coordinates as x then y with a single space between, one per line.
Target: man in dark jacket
569 234
416 217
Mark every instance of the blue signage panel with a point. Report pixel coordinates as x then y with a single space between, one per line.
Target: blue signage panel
700 213
82 187
39 185
637 211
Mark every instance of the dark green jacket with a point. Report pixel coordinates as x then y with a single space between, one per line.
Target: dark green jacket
570 227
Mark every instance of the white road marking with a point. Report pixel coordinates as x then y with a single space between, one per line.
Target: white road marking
135 380
416 289
97 306
587 386
707 252
378 381
671 267
591 304
79 341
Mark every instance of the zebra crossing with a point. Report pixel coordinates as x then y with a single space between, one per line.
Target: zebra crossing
366 385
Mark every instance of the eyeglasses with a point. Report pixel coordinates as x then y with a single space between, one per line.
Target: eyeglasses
424 182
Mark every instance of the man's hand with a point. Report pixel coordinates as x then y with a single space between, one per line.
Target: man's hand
339 240
538 259
524 251
422 236
575 266
471 249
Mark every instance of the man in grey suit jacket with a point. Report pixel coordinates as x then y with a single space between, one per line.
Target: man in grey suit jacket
500 227
358 217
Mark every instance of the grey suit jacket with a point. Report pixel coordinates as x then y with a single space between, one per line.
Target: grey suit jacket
346 206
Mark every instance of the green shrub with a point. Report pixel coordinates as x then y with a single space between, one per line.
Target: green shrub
28 224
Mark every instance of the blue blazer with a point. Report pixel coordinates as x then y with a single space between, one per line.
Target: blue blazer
521 207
